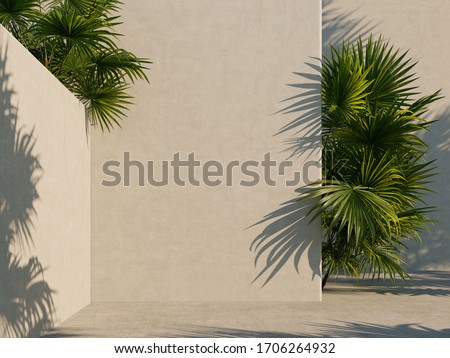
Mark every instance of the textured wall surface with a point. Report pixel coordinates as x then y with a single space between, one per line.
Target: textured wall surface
221 72
231 81
423 28
44 196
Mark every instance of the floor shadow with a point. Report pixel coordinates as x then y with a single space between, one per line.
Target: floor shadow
57 333
194 331
26 305
422 283
322 330
372 330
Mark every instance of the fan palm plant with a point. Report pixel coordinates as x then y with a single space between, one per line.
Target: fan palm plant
75 40
17 15
375 170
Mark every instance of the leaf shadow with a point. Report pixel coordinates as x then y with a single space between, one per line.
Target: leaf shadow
284 238
340 25
372 330
306 107
26 304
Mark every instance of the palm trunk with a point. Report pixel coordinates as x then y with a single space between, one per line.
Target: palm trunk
325 278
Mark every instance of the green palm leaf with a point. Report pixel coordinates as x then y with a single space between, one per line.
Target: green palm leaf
106 102
118 63
70 29
16 15
390 71
88 7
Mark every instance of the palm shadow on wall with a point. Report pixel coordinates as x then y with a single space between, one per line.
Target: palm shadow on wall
286 238
283 240
26 305
340 25
434 251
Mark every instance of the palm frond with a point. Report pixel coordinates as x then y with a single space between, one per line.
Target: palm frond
389 70
16 15
117 64
73 30
106 102
343 87
88 7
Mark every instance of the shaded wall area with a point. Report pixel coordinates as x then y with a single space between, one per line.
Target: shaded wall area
44 197
422 27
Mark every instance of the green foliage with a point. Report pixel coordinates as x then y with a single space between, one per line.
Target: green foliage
16 15
375 170
76 41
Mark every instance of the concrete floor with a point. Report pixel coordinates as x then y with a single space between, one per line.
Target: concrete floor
420 308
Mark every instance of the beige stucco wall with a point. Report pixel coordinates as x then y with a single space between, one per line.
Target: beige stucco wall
45 188
423 28
221 70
